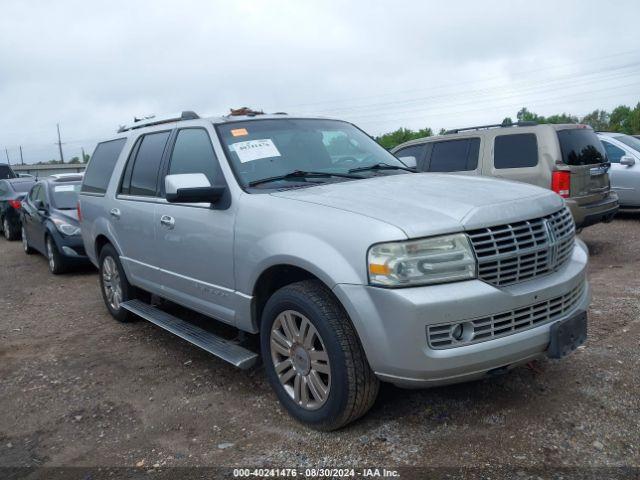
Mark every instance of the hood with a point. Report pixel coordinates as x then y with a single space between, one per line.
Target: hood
423 204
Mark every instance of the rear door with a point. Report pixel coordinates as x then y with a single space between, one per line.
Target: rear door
132 216
514 154
458 155
582 151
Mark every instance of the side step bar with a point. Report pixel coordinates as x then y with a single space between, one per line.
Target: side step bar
218 346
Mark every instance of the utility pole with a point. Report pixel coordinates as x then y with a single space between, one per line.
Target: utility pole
21 159
59 143
82 159
6 152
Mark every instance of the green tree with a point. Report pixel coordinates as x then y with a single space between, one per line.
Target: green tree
401 135
561 118
74 161
598 120
619 119
525 115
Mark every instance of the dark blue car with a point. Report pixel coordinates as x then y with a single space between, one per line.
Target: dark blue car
12 191
50 222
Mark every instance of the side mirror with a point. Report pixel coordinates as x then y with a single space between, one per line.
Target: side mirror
40 206
628 160
191 188
410 162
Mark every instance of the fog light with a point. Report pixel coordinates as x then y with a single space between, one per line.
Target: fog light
462 332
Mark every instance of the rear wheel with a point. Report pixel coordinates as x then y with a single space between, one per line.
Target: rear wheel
25 242
313 357
10 232
114 285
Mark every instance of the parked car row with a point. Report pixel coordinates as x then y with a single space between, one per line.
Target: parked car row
338 265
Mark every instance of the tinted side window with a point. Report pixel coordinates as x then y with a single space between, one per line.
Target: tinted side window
416 151
455 155
515 151
193 153
6 172
101 166
144 176
614 154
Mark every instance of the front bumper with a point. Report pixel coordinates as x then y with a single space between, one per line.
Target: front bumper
70 247
592 213
392 324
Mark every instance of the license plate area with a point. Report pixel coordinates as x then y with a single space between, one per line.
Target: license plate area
567 335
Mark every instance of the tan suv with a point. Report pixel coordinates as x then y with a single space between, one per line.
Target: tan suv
566 158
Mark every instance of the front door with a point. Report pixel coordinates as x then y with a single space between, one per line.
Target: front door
34 219
195 241
625 179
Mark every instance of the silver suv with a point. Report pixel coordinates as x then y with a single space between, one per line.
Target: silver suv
567 158
346 267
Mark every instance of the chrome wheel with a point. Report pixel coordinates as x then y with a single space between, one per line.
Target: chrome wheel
111 283
300 360
25 244
50 255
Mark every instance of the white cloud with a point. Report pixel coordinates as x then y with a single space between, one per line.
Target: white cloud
93 65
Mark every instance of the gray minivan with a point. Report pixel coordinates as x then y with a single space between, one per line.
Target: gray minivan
566 158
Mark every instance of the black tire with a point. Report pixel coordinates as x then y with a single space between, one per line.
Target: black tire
9 231
25 242
56 261
353 385
128 291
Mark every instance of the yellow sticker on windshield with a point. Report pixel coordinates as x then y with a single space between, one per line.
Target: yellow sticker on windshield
239 132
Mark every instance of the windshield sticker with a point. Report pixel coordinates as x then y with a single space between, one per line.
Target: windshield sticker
255 150
64 188
239 132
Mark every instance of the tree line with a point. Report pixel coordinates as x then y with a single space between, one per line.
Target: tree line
622 119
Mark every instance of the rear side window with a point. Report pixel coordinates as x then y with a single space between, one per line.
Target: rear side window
22 187
101 166
614 154
581 146
193 153
146 165
455 155
6 172
515 151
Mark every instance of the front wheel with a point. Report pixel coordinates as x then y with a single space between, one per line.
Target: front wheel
313 357
56 261
114 285
25 242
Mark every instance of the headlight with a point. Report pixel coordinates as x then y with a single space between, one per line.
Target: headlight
419 262
66 228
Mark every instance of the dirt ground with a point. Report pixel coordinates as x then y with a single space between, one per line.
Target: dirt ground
79 389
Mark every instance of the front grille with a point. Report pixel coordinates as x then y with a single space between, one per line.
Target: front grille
520 251
502 324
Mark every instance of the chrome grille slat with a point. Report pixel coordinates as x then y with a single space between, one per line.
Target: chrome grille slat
507 323
520 251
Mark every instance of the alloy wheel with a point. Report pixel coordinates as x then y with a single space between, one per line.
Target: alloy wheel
5 229
111 283
300 360
50 255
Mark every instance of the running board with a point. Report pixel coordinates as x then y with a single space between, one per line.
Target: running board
218 346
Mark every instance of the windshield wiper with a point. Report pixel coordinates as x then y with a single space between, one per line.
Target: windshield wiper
301 174
382 166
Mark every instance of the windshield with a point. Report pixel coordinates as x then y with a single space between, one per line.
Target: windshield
581 146
630 141
261 149
65 196
6 172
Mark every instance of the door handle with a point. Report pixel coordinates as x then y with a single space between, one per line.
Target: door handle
168 221
115 212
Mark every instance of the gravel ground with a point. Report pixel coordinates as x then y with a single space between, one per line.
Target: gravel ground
79 389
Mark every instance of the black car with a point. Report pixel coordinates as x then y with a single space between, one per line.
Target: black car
12 191
50 222
6 172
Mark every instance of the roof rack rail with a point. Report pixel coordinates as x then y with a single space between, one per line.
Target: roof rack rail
153 120
496 125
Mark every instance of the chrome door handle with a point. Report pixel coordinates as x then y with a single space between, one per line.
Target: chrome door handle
168 221
115 212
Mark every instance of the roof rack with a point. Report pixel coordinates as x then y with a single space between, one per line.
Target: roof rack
497 125
244 111
153 120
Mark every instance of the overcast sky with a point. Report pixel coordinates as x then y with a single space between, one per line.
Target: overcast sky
91 66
